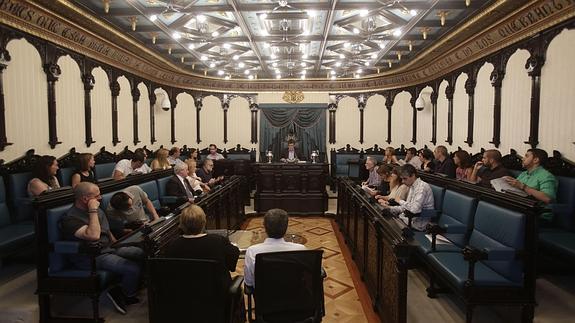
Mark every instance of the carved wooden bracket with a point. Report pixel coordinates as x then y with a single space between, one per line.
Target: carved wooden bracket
115 91
88 81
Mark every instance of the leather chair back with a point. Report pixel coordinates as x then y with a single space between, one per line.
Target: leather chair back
151 188
565 218
65 176
499 228
104 170
187 290
289 286
459 210
438 193
57 260
18 192
4 213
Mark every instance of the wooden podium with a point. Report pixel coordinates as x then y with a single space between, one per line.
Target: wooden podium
298 188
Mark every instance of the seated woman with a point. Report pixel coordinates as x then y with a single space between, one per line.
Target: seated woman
383 171
44 176
426 157
161 160
85 173
389 157
196 244
194 180
397 190
462 160
194 154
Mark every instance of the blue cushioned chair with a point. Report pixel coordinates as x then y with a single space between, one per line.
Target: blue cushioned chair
65 176
455 224
13 236
438 193
61 277
104 171
18 192
490 268
151 188
165 199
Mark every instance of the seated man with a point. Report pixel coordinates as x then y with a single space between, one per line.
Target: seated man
86 221
126 210
536 180
178 185
411 158
174 156
214 155
373 180
127 167
144 169
419 198
443 163
206 173
275 223
490 167
291 154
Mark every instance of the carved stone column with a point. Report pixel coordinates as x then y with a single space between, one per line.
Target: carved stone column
533 66
332 108
4 58
199 104
470 90
496 79
254 110
88 81
135 99
152 98
53 72
115 90
414 120
434 97
449 90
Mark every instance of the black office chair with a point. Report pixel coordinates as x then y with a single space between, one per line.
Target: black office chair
193 290
288 287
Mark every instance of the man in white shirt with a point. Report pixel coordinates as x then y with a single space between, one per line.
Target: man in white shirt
419 199
214 155
411 158
275 223
144 169
127 167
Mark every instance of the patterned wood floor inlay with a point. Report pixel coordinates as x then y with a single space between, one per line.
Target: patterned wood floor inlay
345 296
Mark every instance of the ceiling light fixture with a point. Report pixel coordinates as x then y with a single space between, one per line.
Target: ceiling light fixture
363 13
467 3
424 32
410 46
106 6
304 56
273 56
374 55
212 65
201 18
357 76
154 37
153 18
227 77
303 64
236 57
279 76
413 12
133 21
397 32
332 72
241 65
247 72
264 16
333 77
182 59
227 46
251 77
442 16
366 63
191 46
356 31
338 64
346 44
215 34
399 56
342 56
220 72
170 50
204 58
275 64
311 13
176 35
359 71
302 77
389 63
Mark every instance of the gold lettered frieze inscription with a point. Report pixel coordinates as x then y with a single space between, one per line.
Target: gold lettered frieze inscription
293 96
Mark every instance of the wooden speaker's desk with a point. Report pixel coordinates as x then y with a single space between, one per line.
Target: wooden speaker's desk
298 188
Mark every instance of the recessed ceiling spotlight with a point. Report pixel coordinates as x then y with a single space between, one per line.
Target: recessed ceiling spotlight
251 77
355 31
382 45
264 15
204 58
227 77
374 55
275 64
346 44
357 76
212 64
332 72
302 77
366 63
397 32
278 72
342 56
304 56
241 64
227 46
333 77
201 18
215 34
273 56
359 71
247 72
279 76
312 13
304 72
303 64
191 46
220 72
413 12
338 64
236 57
176 35
153 18
363 12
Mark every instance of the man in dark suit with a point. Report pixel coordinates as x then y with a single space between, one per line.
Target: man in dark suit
291 153
178 184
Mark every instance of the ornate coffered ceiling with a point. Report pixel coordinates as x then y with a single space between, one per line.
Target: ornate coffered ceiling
295 39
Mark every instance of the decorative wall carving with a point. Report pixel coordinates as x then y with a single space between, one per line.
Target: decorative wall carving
293 96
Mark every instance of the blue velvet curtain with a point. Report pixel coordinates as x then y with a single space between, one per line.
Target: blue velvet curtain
306 123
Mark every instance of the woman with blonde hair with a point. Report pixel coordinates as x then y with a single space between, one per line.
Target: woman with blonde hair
161 160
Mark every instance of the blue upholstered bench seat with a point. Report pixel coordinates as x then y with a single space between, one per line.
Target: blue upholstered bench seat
14 236
455 268
104 171
151 189
425 244
558 240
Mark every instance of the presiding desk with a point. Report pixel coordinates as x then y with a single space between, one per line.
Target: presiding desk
295 187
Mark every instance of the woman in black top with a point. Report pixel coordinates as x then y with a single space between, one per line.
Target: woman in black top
84 174
195 244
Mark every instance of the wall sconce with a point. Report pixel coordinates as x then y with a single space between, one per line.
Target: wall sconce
410 46
106 6
154 37
133 21
424 32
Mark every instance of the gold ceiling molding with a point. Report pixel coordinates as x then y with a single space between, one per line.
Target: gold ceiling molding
64 24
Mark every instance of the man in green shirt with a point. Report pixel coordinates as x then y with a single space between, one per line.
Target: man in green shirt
536 180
